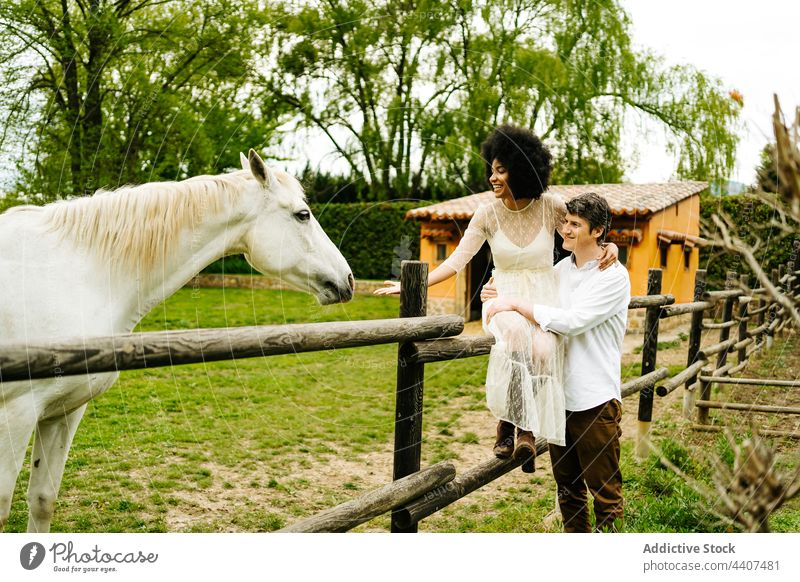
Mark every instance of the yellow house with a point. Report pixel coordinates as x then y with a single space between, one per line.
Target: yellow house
650 225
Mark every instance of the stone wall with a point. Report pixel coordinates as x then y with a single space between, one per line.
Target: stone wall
260 282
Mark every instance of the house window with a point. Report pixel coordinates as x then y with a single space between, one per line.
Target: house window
687 257
664 251
441 252
623 254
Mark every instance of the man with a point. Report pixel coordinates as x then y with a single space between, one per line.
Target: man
592 318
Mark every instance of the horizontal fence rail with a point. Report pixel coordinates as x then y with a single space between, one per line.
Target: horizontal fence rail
459 487
168 348
133 351
753 381
348 515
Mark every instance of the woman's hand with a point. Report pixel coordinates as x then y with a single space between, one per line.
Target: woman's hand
499 306
390 288
609 256
489 291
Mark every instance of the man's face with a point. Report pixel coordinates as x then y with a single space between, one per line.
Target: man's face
576 233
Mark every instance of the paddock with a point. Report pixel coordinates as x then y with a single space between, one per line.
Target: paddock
417 349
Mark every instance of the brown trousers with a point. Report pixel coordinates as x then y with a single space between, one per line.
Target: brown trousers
590 458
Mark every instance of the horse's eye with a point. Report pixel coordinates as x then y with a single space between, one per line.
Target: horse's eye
303 216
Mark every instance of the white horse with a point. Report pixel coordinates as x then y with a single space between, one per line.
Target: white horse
95 266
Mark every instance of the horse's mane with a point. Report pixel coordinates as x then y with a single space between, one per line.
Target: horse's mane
136 227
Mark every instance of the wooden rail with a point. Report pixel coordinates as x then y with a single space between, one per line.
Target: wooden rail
348 515
170 348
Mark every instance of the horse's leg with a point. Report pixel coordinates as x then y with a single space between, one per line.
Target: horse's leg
50 450
16 427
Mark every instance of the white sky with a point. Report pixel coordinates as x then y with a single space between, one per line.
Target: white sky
753 47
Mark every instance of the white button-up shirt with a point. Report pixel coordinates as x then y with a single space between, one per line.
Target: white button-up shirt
592 318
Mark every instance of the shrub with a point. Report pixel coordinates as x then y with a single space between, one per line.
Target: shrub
373 237
753 218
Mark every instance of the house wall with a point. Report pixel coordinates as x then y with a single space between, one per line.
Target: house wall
448 296
683 217
677 279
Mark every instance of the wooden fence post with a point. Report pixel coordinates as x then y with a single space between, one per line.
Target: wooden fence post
725 332
743 310
695 335
796 283
410 379
705 395
649 352
772 311
760 318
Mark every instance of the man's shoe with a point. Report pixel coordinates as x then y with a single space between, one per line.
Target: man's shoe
526 449
504 445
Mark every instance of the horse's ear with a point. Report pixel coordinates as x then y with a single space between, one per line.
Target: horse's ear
259 169
243 160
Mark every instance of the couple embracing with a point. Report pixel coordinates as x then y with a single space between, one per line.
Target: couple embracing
554 371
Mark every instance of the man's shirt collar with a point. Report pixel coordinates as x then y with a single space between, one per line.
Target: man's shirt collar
588 265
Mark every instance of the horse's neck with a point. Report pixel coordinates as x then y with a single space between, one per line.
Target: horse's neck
199 248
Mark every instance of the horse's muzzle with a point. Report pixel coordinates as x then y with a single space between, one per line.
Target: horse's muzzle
338 293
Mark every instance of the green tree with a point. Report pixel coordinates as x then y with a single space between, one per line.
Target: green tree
767 170
406 92
116 91
361 73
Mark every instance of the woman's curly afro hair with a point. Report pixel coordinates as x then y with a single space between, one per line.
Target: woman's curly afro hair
526 158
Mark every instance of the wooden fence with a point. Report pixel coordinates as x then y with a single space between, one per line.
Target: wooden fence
416 493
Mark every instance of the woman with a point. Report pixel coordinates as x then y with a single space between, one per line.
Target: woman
523 380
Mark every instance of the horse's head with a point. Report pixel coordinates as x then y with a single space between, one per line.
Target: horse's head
285 240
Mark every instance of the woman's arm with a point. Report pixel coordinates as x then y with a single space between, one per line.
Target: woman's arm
609 256
439 274
468 247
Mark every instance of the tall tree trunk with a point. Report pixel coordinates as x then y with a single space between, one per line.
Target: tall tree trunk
92 118
69 63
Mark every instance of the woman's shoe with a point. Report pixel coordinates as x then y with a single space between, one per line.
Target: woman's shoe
526 449
504 445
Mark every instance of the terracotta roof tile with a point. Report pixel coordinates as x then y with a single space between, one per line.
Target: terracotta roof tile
624 199
634 234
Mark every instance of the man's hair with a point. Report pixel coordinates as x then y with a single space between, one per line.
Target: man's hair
526 158
594 209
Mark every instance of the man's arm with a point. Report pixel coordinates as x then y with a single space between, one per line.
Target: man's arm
522 307
590 306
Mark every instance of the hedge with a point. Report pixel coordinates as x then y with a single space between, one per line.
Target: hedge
753 218
373 237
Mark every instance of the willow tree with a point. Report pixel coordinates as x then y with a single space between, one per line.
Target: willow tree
103 92
406 91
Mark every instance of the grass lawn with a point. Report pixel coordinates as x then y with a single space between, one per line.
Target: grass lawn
255 444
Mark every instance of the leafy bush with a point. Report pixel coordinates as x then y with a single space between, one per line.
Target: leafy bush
753 218
235 264
373 237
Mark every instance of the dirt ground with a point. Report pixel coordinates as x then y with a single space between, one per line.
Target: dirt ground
319 485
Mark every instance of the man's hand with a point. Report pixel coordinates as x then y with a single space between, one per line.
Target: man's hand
489 291
499 306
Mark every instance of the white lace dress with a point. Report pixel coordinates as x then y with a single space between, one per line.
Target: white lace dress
524 379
